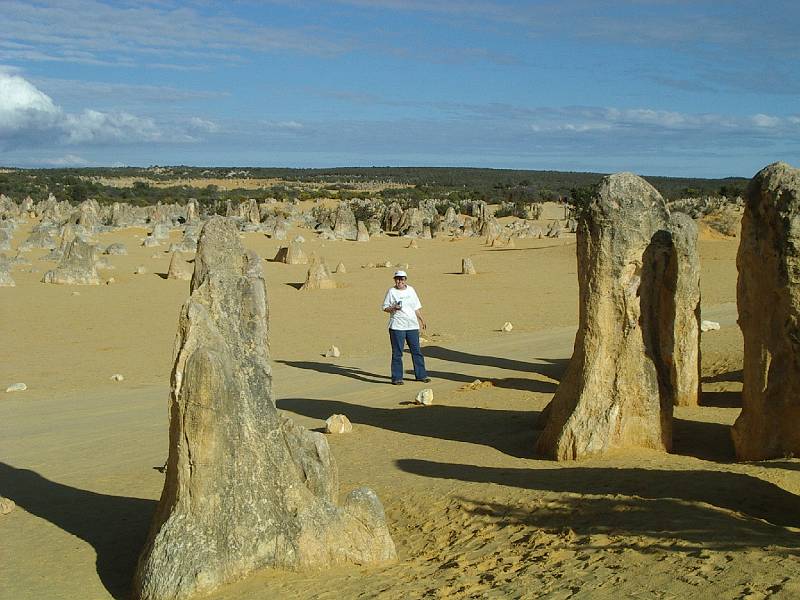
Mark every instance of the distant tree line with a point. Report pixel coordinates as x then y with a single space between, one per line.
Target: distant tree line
509 187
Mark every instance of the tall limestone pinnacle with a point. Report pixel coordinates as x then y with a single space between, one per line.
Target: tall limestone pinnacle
768 298
245 487
627 370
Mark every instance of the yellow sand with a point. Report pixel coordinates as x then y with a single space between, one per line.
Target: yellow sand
472 512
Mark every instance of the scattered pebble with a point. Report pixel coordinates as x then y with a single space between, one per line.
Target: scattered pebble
117 377
424 397
76 293
17 387
340 268
507 327
709 326
6 505
140 270
476 385
338 424
110 281
332 352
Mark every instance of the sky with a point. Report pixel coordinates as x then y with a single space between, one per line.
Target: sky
658 87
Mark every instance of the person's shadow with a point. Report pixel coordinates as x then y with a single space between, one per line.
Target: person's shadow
116 526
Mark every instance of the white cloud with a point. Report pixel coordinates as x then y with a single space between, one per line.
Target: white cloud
29 117
22 106
203 125
762 120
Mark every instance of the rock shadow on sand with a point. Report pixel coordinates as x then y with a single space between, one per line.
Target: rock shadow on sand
711 509
509 431
519 383
552 368
115 526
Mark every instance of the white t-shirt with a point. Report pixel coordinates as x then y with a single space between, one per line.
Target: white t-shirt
405 318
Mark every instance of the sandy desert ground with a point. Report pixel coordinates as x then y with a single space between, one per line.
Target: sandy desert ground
473 513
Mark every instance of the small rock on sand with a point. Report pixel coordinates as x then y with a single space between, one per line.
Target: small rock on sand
338 424
140 270
709 326
117 377
507 327
476 385
6 505
332 352
17 387
424 397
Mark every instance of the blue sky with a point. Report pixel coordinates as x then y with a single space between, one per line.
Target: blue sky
658 87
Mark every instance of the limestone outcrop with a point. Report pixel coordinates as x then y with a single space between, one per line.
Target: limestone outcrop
683 358
77 266
345 223
467 268
319 276
363 232
619 388
768 297
5 277
176 268
292 254
245 487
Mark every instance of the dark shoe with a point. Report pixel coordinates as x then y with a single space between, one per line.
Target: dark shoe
426 380
397 382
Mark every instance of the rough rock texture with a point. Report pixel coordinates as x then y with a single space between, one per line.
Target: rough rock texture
424 397
345 224
292 254
5 277
338 424
6 505
618 390
176 268
768 297
318 277
467 268
245 488
683 358
363 232
116 249
77 266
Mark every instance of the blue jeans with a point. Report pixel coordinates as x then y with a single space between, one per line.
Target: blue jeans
398 338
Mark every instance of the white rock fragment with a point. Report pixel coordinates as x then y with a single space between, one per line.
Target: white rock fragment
117 377
338 424
140 270
6 505
709 326
17 387
507 326
424 397
332 352
111 281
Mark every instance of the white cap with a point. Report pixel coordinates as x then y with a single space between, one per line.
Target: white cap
400 274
